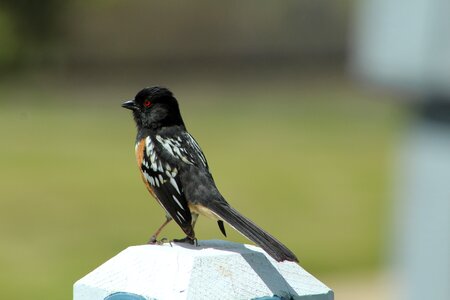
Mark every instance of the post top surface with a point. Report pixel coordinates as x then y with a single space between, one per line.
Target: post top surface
202 249
212 270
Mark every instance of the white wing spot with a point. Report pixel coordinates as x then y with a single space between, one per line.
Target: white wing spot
183 158
177 151
149 178
165 143
178 202
173 147
154 167
148 143
145 163
175 185
197 148
153 157
181 216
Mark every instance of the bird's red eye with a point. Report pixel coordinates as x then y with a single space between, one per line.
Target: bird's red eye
147 103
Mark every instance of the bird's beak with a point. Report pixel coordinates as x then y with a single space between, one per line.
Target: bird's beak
129 105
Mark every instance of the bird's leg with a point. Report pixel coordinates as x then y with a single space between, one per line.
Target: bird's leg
154 237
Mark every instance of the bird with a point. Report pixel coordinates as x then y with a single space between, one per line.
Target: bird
176 173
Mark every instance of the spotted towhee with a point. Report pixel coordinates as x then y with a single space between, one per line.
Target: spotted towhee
176 173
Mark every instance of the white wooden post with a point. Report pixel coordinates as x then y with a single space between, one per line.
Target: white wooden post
212 270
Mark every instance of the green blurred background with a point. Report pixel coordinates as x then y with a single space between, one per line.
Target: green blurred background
292 142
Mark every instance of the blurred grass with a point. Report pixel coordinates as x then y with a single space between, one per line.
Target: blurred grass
308 164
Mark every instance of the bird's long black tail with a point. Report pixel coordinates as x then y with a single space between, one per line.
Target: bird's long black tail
250 230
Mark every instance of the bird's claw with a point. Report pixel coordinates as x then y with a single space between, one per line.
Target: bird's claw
189 240
154 241
165 240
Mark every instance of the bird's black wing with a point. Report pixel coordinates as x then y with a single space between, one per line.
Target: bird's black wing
183 148
163 181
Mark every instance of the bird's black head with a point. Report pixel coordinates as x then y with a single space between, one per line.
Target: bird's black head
154 108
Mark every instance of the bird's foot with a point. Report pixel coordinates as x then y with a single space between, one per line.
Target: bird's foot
164 241
189 240
154 241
